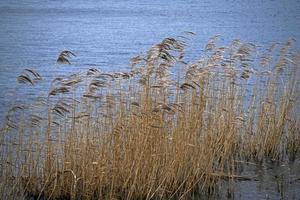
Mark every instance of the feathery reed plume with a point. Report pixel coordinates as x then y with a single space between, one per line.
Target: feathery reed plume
212 43
61 108
59 90
93 72
25 79
36 75
29 76
64 57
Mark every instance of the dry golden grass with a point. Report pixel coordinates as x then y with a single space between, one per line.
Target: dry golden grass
150 134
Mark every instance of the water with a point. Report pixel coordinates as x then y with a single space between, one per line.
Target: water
107 34
273 180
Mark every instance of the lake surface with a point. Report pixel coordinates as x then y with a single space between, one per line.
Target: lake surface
274 180
106 34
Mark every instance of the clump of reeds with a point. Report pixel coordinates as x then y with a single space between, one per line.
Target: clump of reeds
149 133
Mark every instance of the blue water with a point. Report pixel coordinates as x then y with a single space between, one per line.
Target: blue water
108 33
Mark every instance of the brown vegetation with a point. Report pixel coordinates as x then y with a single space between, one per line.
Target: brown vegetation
149 133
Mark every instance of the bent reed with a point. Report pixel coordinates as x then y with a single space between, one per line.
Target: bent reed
167 129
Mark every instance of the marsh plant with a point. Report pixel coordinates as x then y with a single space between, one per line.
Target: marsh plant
166 129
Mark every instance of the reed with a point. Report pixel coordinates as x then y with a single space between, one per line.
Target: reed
150 133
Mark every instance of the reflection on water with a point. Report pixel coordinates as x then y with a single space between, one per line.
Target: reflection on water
270 180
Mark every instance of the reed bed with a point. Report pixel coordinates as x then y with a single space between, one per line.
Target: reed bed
167 129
